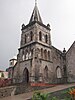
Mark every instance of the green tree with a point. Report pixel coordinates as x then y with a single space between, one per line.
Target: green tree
2 75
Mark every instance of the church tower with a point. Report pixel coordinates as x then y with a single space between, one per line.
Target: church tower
34 59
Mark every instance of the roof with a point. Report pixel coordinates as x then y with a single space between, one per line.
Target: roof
1 71
71 46
35 15
59 51
14 58
34 22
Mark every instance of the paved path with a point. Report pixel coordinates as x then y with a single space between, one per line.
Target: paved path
24 96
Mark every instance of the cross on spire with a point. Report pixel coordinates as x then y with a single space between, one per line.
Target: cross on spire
35 2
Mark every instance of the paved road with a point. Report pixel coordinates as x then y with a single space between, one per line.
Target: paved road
24 96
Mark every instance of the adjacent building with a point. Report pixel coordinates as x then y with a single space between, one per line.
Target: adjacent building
12 63
3 74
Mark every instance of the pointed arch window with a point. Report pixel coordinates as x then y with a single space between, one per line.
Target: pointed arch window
58 72
27 55
42 53
46 38
32 53
31 35
45 54
23 56
25 38
46 73
48 55
40 36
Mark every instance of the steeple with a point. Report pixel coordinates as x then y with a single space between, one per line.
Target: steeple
35 2
35 15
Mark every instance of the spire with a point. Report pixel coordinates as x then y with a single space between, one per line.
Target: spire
35 15
35 2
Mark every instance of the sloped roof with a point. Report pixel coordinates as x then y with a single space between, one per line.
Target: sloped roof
73 45
1 71
59 51
35 15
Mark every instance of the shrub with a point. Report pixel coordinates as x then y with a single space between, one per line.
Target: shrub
39 96
72 93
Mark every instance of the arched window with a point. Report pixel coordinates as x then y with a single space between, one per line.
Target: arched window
46 73
45 54
32 53
31 35
48 55
25 38
40 36
46 38
41 53
58 72
37 52
27 55
23 56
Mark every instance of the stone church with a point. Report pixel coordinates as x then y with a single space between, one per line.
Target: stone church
38 60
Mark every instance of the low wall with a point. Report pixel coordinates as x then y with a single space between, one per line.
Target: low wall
19 89
7 91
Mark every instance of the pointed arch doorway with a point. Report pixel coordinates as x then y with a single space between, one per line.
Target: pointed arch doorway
26 75
46 74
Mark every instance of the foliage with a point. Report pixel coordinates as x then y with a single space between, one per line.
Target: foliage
39 96
2 75
42 96
72 93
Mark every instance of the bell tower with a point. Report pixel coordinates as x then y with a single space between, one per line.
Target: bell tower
35 49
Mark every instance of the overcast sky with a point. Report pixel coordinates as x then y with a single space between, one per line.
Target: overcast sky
60 14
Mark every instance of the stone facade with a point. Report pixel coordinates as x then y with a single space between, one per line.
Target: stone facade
7 91
38 60
70 63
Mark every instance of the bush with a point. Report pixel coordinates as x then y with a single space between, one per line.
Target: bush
39 96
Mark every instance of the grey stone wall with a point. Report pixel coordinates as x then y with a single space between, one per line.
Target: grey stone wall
7 91
43 54
70 62
57 61
35 63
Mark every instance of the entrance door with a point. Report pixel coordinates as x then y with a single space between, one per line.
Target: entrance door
46 74
26 75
